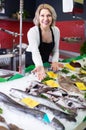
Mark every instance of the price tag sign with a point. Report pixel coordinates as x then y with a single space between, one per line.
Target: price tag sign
52 83
80 85
30 102
69 67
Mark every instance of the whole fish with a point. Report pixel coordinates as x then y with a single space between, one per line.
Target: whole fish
14 127
55 123
2 119
78 78
71 101
10 126
36 88
57 95
68 85
55 99
76 102
16 93
3 128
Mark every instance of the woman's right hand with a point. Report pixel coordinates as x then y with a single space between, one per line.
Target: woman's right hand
40 72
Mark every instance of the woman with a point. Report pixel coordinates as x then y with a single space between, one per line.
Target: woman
43 41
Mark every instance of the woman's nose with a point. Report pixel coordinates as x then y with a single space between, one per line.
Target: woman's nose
46 17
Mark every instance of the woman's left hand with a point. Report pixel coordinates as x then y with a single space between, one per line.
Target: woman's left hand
56 65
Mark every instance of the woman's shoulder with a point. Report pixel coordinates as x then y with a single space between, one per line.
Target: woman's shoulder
33 29
33 32
55 29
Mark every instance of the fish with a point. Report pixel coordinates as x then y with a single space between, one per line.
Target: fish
55 123
7 75
3 128
68 85
10 126
16 93
2 119
54 98
82 78
71 101
71 104
14 127
56 94
57 113
77 78
36 88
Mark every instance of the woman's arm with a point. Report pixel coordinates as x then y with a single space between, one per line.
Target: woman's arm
33 40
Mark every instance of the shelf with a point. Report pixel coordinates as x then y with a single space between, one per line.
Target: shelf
11 19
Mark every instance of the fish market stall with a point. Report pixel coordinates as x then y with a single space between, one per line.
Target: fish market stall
56 103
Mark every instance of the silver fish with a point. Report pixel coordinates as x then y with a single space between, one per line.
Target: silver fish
36 88
16 93
71 101
55 123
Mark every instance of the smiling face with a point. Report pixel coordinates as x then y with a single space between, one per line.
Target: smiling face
45 18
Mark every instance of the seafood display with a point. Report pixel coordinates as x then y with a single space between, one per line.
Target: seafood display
41 106
40 115
63 94
58 102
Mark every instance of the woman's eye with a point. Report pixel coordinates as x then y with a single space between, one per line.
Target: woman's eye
42 15
49 15
46 16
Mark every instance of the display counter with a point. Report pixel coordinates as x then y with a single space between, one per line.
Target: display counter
18 108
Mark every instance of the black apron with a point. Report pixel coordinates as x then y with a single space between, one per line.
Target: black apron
45 50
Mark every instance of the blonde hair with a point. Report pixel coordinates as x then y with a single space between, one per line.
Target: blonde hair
51 10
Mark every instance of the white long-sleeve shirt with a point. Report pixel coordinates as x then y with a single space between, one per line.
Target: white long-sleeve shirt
34 42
